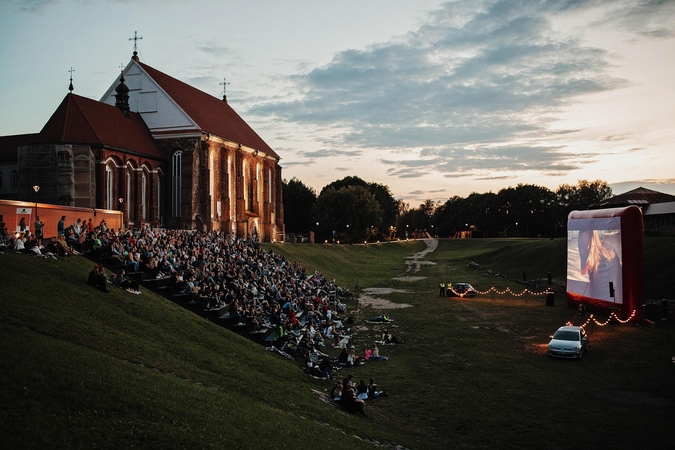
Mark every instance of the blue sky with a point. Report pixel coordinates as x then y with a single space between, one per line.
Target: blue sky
432 98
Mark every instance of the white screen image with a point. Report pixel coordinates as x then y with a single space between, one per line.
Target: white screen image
594 258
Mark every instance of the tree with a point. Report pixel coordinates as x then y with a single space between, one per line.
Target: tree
299 200
389 206
351 211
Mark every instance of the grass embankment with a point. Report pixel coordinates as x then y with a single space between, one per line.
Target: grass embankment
83 369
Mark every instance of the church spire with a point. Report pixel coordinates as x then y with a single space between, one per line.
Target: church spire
71 88
224 85
136 38
122 96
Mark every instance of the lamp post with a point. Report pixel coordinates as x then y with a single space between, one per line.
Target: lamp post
36 188
121 200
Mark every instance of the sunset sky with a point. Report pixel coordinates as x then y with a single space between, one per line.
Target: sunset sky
431 98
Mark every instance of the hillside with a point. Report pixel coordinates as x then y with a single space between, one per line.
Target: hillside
85 369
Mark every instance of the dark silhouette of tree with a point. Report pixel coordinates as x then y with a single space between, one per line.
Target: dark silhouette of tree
299 200
352 211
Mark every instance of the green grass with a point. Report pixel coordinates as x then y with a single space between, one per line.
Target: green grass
84 369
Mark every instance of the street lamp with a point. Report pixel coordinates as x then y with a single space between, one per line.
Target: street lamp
36 188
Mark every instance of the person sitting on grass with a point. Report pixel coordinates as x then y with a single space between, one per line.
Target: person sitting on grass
372 390
374 354
122 283
316 372
336 392
389 339
362 390
351 403
97 278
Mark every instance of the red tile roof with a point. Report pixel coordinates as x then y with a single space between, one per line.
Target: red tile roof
212 115
80 120
9 146
638 196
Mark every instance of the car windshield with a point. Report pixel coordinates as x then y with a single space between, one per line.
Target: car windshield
564 335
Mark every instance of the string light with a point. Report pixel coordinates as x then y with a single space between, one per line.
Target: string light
606 322
493 289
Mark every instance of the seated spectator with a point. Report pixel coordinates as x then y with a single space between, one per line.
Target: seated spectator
389 339
372 390
362 390
97 278
55 247
71 238
19 244
336 392
316 372
351 403
374 354
121 282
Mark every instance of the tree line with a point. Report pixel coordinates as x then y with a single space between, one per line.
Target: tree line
353 210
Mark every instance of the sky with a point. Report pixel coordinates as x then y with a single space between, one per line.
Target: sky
431 98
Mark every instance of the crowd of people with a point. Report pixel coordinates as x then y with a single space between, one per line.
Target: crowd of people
254 288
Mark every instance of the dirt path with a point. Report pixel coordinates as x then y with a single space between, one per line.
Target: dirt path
370 296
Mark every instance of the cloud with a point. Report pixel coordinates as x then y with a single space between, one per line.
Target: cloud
474 75
327 153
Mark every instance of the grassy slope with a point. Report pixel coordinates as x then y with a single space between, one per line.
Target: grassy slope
82 369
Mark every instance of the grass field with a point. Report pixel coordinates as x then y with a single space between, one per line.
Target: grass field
83 369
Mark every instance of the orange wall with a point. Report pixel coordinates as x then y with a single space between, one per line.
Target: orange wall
12 211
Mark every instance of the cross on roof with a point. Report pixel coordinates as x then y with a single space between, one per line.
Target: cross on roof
224 85
70 88
136 38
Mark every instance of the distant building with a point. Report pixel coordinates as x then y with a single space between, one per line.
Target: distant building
658 208
164 153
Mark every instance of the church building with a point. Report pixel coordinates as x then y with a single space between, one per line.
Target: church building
164 153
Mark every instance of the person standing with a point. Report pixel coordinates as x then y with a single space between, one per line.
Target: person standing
38 229
22 225
61 227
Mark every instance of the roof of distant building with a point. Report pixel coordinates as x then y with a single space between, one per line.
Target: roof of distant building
211 114
638 196
9 146
80 120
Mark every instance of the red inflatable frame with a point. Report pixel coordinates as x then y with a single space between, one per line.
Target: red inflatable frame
629 299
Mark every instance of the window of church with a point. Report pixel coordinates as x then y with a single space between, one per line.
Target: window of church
109 187
230 187
144 193
128 179
212 185
159 198
176 181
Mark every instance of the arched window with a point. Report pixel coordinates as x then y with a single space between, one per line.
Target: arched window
212 185
231 176
15 179
259 185
247 177
269 185
128 200
176 182
109 187
144 193
159 199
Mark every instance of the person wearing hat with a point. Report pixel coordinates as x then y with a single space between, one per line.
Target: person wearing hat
97 278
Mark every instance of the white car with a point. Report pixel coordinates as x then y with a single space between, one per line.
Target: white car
568 342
